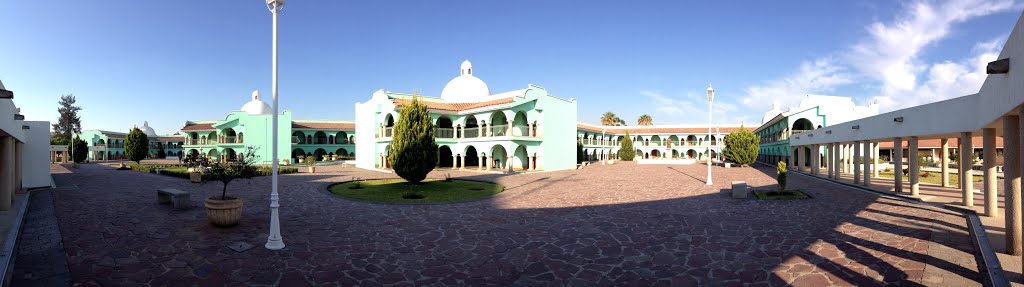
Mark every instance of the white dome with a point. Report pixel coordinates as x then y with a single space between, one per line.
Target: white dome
465 87
256 106
148 130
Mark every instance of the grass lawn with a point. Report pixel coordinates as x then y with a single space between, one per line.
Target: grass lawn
433 190
934 177
776 195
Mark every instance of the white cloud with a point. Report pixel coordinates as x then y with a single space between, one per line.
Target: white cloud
690 109
889 59
821 76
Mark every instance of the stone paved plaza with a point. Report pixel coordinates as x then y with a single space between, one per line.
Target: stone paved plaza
622 224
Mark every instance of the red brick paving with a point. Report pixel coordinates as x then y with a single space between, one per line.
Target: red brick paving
623 224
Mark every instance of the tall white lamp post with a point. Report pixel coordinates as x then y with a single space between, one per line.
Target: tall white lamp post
274 241
711 98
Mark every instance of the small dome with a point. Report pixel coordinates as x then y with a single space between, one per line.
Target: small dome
148 130
465 87
256 106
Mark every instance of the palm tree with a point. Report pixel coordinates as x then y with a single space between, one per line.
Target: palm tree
645 120
609 119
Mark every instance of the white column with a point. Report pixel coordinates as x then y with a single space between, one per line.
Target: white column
867 163
991 194
19 148
835 161
966 176
791 159
897 160
815 160
915 167
462 162
856 171
874 155
828 160
455 161
1011 183
6 172
944 162
801 159
480 164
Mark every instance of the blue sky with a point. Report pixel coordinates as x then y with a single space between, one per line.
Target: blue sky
130 61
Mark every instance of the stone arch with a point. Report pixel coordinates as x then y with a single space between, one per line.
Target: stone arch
498 124
498 157
802 124
521 125
341 152
298 152
299 137
472 156
319 153
341 138
444 128
230 155
444 156
320 137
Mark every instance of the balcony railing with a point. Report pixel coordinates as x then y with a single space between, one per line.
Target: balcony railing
445 133
473 132
231 140
387 132
499 130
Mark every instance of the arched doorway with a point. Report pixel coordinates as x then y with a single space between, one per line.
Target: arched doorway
341 138
229 154
296 153
690 154
499 124
341 152
320 137
499 157
521 126
472 156
444 154
389 123
802 124
655 154
444 128
319 153
472 127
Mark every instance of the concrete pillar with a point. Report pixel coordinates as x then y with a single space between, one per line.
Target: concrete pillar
828 160
508 129
875 159
856 171
897 161
835 161
1011 183
915 167
6 172
966 176
800 158
867 163
529 162
462 162
790 158
848 159
989 151
455 161
815 160
488 127
480 164
462 131
509 163
489 164
944 162
19 148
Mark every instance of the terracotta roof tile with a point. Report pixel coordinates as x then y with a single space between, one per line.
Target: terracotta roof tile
323 126
198 127
657 129
455 107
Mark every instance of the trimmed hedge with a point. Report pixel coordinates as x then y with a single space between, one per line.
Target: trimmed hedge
180 170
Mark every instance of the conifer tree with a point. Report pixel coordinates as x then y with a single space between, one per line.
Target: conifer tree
626 151
741 146
80 149
413 150
136 145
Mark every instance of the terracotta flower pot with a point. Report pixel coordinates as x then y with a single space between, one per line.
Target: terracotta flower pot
224 213
312 169
195 177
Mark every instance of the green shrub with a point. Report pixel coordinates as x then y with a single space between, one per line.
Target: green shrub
136 145
781 177
741 146
626 151
413 150
80 151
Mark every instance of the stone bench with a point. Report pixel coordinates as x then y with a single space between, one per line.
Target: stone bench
180 199
739 189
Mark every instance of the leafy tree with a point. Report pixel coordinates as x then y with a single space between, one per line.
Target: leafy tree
56 140
136 145
741 146
610 119
228 171
626 151
413 150
69 121
645 120
80 149
781 177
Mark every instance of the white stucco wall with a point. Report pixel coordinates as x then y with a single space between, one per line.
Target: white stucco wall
35 164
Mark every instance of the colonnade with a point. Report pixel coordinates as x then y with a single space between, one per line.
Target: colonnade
10 170
459 163
860 158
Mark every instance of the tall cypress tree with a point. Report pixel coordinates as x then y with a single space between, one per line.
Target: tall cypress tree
136 145
80 148
413 150
69 122
626 151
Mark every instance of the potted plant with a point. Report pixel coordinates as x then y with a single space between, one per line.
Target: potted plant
224 210
309 161
196 166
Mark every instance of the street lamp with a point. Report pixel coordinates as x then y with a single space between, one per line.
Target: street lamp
274 241
711 98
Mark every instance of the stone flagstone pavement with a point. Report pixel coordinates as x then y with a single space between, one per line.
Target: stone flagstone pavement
622 224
